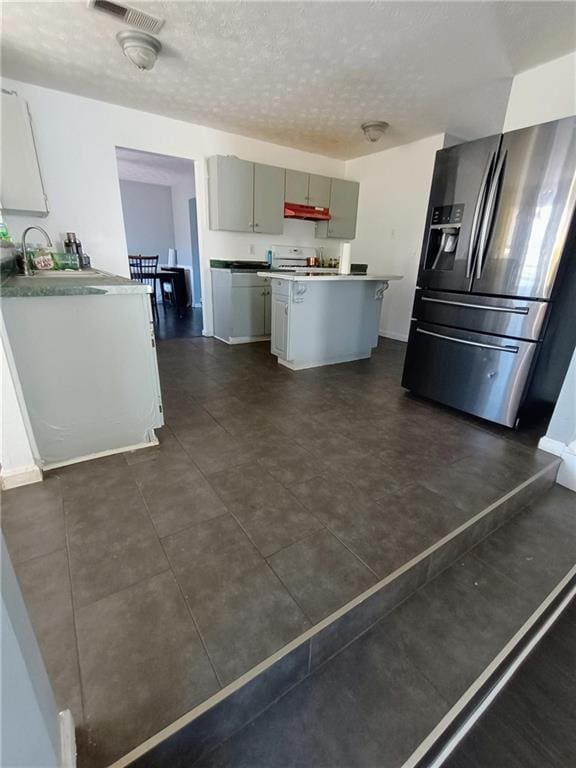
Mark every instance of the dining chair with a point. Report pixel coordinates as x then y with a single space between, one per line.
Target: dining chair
144 269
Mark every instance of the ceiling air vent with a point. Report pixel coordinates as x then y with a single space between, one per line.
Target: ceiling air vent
132 16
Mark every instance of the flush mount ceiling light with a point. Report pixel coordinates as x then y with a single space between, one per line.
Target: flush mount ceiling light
374 129
142 49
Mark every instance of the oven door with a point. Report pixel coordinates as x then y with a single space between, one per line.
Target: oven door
478 373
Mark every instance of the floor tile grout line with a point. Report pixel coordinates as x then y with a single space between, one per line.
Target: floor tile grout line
21 563
181 591
75 625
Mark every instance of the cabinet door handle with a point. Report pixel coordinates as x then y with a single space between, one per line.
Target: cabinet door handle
256 224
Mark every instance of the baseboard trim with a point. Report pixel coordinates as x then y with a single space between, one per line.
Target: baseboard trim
319 363
14 478
551 446
567 470
101 454
393 335
67 740
242 339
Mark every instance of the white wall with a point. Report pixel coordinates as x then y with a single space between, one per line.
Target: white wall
30 722
394 190
181 193
547 92
148 218
76 140
18 466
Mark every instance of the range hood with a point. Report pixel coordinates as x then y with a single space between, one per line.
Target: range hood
307 212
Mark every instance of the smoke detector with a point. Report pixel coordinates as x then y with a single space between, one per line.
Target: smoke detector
132 16
142 49
374 130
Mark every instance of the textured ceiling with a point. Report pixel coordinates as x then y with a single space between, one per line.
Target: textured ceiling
300 74
151 168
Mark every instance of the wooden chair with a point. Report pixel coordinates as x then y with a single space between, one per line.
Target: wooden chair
144 269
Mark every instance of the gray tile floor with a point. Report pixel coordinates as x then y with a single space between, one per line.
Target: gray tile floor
532 723
157 577
373 703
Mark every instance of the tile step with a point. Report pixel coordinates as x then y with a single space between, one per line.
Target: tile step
201 730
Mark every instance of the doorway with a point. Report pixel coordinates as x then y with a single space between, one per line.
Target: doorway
158 194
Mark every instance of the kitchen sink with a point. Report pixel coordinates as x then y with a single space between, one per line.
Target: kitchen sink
56 273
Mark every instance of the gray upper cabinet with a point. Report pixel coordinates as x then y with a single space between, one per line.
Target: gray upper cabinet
319 191
268 199
343 211
21 188
231 194
249 197
245 196
307 189
297 187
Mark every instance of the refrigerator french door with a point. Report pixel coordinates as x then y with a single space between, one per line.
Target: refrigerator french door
457 199
498 225
528 212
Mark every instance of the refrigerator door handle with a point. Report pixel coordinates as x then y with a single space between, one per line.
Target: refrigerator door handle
500 347
489 213
477 214
512 310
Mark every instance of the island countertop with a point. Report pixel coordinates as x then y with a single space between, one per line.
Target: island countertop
298 276
89 282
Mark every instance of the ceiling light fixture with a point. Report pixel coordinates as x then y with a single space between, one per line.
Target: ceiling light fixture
374 130
142 49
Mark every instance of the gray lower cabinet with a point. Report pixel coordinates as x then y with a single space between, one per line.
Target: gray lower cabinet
241 306
343 211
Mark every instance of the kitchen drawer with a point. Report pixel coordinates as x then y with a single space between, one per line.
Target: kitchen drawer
486 314
475 372
248 279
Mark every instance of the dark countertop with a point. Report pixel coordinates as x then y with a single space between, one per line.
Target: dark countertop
90 282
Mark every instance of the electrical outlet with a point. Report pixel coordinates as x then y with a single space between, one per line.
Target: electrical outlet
252 250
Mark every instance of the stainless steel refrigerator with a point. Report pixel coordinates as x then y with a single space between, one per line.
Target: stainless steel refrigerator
494 318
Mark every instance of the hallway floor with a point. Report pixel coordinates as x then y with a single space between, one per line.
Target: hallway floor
170 325
155 578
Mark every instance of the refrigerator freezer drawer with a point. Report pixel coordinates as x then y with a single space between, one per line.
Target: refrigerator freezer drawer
478 373
485 314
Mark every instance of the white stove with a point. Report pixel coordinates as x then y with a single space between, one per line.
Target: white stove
293 258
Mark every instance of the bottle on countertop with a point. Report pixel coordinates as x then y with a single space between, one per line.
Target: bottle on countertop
73 246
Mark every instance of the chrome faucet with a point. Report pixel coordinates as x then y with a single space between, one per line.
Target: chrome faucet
27 268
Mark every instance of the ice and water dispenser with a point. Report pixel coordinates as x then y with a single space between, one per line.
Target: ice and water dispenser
443 237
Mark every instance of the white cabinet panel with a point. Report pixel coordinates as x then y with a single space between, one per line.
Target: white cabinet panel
21 188
279 340
268 199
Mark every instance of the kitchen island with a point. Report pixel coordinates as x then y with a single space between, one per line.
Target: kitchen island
323 319
84 358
